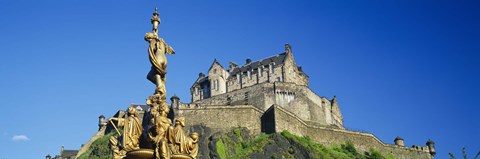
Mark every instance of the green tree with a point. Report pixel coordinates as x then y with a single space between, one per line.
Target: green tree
464 154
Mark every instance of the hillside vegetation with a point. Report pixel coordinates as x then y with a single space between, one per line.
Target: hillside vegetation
239 145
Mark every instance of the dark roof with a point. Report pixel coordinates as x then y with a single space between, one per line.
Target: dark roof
67 153
277 59
144 107
398 138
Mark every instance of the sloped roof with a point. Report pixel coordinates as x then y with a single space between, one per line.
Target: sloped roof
277 59
215 61
141 106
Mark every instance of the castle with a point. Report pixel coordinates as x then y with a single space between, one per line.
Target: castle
267 96
277 80
272 95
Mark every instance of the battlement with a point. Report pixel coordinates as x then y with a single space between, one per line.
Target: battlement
225 118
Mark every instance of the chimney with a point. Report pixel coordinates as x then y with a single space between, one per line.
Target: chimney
201 75
288 48
248 61
232 66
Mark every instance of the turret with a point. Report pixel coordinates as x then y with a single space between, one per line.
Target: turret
101 122
399 141
175 101
431 147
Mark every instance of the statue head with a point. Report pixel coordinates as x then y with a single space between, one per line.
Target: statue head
132 111
194 135
180 121
150 36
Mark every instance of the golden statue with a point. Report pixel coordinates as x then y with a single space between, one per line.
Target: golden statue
156 53
132 130
160 126
168 142
183 144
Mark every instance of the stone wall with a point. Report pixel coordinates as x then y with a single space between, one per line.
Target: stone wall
277 119
298 99
285 120
221 118
267 76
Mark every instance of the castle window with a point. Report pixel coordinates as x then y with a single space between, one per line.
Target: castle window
249 73
238 78
272 70
196 91
260 71
214 71
215 84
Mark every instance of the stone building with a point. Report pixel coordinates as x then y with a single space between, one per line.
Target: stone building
64 154
263 83
270 96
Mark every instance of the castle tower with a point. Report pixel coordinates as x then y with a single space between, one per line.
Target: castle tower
101 122
431 147
175 101
399 141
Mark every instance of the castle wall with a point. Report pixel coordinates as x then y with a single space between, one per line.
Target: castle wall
299 100
251 95
256 78
285 120
222 118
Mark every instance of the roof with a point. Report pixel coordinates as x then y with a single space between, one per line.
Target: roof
277 59
140 107
215 61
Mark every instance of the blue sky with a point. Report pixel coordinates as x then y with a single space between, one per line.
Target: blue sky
398 68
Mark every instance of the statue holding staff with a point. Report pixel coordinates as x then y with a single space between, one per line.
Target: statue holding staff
156 53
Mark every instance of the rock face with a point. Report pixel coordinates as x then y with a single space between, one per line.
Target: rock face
239 144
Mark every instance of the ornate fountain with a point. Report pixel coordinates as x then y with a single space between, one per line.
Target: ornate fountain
161 138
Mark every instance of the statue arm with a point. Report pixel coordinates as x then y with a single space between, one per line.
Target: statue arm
120 120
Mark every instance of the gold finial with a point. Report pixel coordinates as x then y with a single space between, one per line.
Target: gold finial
155 20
